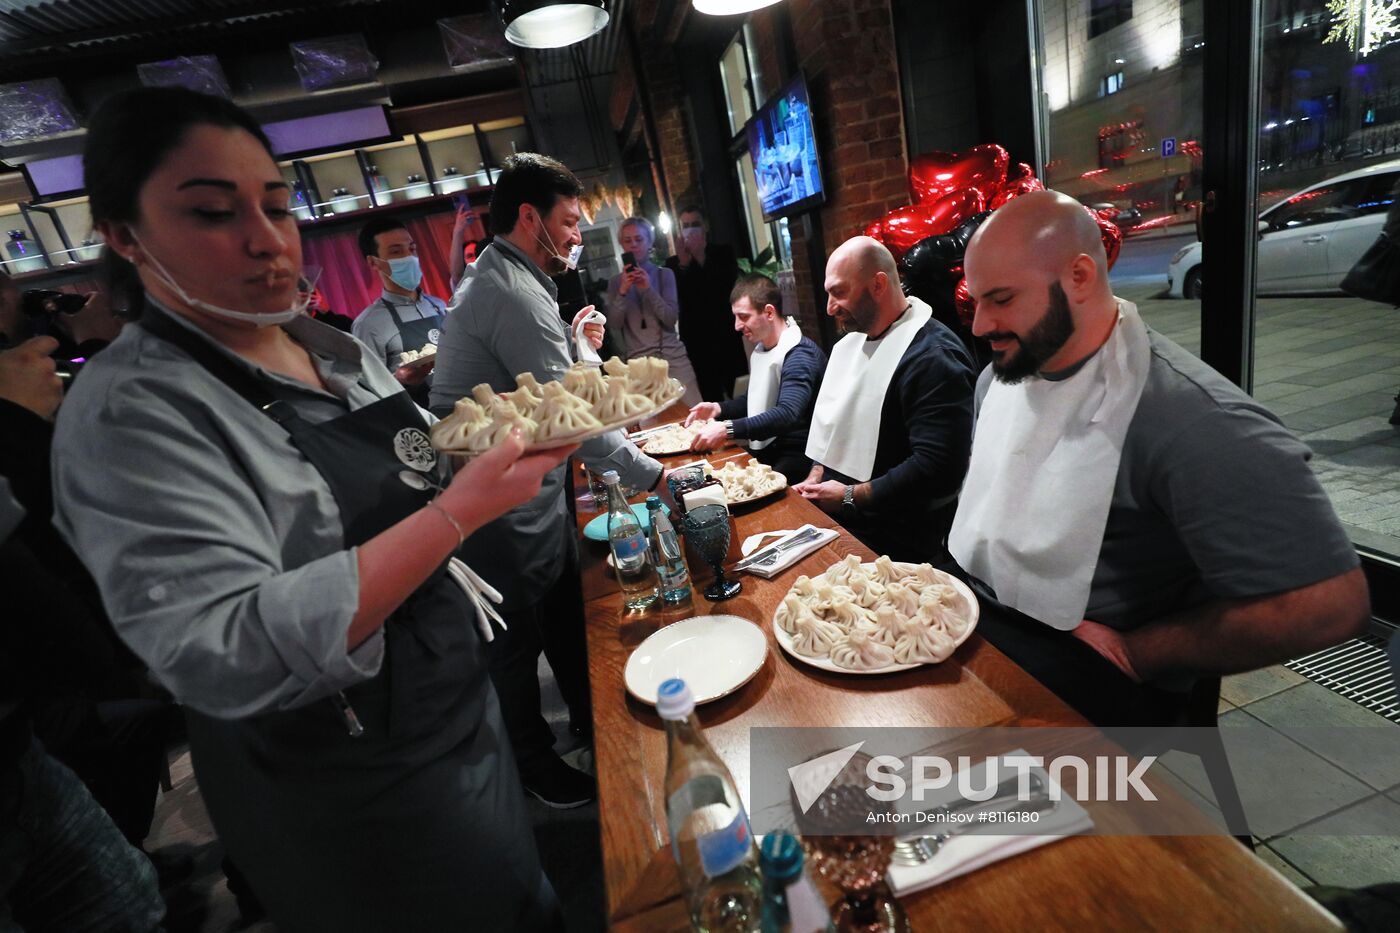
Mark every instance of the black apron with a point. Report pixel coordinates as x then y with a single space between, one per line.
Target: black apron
415 335
419 822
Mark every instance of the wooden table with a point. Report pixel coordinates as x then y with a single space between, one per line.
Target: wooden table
1188 882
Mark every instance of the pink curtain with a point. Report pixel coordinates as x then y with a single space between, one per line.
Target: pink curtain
347 282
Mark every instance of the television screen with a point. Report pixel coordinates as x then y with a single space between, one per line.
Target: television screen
783 146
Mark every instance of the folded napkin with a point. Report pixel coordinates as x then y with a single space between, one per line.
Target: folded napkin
971 851
706 495
789 557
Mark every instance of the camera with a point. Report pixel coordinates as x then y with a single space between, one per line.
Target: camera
43 301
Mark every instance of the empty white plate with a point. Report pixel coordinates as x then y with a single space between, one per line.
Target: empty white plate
714 655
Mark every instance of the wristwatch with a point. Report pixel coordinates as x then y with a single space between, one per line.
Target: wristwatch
729 430
849 499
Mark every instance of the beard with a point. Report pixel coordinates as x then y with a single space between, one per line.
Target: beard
861 316
1042 342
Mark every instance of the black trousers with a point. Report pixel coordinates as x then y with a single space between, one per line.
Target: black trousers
554 624
793 465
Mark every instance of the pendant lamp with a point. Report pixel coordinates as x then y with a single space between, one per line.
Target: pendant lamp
552 24
730 7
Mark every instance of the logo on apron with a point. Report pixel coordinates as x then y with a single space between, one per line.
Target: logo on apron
414 450
433 336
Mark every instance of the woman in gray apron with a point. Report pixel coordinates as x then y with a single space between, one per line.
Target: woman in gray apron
271 529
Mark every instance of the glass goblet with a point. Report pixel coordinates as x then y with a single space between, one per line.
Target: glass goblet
682 481
707 530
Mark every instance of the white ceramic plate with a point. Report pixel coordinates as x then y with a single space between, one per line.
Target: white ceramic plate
966 595
714 655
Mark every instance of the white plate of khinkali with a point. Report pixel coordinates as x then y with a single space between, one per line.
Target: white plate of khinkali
875 618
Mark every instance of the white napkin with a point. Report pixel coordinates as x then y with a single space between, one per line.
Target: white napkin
481 594
789 557
583 347
974 850
706 495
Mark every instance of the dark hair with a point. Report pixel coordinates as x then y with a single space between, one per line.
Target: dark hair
129 137
760 290
693 209
529 178
134 131
372 229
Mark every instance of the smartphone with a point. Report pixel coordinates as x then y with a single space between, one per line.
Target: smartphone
628 261
38 301
460 200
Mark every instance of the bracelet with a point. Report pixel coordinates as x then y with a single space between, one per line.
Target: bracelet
456 525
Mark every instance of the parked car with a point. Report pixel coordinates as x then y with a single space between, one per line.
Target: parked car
1309 241
1124 218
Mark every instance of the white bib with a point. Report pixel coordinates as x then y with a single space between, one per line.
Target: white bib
766 372
1045 456
846 420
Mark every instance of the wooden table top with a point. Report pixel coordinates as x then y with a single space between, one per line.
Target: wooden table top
1087 882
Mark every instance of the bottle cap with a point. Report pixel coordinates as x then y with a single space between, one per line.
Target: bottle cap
610 478
653 503
781 856
674 700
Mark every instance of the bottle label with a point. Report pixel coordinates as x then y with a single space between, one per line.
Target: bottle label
722 850
625 549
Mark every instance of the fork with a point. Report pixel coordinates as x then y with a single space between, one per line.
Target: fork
785 546
916 850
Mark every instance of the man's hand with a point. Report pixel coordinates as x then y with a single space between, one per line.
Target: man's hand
29 377
1109 643
710 437
827 495
705 411
594 332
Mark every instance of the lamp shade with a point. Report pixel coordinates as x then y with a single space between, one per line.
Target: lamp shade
730 7
552 24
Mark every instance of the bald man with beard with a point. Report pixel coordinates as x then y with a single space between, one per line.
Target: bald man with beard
1145 521
892 425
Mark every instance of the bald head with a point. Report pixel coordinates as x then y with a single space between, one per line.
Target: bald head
1037 272
1043 230
862 286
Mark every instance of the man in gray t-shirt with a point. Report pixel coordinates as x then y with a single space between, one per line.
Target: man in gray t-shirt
1220 553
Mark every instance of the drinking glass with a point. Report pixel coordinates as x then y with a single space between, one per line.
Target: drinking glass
683 480
707 530
854 863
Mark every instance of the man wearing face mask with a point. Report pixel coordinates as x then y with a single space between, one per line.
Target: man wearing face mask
403 317
892 428
504 320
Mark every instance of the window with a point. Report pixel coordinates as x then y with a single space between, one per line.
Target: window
1111 84
1105 14
1318 206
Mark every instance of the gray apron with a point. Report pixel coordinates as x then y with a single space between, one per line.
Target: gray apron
415 335
419 822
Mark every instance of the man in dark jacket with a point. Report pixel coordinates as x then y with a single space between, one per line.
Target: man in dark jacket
705 273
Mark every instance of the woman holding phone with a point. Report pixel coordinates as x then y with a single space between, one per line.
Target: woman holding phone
256 497
642 304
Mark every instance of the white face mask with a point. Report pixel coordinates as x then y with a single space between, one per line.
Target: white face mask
266 319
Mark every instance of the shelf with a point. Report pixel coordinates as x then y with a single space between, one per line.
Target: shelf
398 207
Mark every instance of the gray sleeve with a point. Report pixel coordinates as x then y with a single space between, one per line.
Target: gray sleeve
613 451
190 568
1237 488
614 305
661 300
377 331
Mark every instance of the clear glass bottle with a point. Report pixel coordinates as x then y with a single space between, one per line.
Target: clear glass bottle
710 836
667 555
628 542
791 902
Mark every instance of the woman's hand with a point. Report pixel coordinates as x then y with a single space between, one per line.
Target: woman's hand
499 480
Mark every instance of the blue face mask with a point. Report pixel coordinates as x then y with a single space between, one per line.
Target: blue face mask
406 273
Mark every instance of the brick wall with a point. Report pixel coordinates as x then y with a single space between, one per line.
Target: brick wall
658 72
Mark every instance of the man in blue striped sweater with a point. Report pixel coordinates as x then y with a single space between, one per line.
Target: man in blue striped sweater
772 417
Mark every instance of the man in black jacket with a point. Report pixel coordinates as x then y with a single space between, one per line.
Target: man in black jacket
705 273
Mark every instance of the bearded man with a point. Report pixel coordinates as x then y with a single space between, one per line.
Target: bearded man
892 427
1145 522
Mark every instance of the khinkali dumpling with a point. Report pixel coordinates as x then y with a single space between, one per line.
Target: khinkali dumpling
586 382
925 575
841 572
868 590
845 612
814 637
790 611
922 644
615 367
491 433
483 393
857 650
563 415
804 587
884 570
619 403
886 625
903 597
451 432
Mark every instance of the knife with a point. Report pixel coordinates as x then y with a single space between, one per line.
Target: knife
758 556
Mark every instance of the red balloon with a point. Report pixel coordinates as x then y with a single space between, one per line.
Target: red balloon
1019 180
1112 236
966 306
908 225
876 229
934 175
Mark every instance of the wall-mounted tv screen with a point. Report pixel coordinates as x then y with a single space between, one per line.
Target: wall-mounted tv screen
783 145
